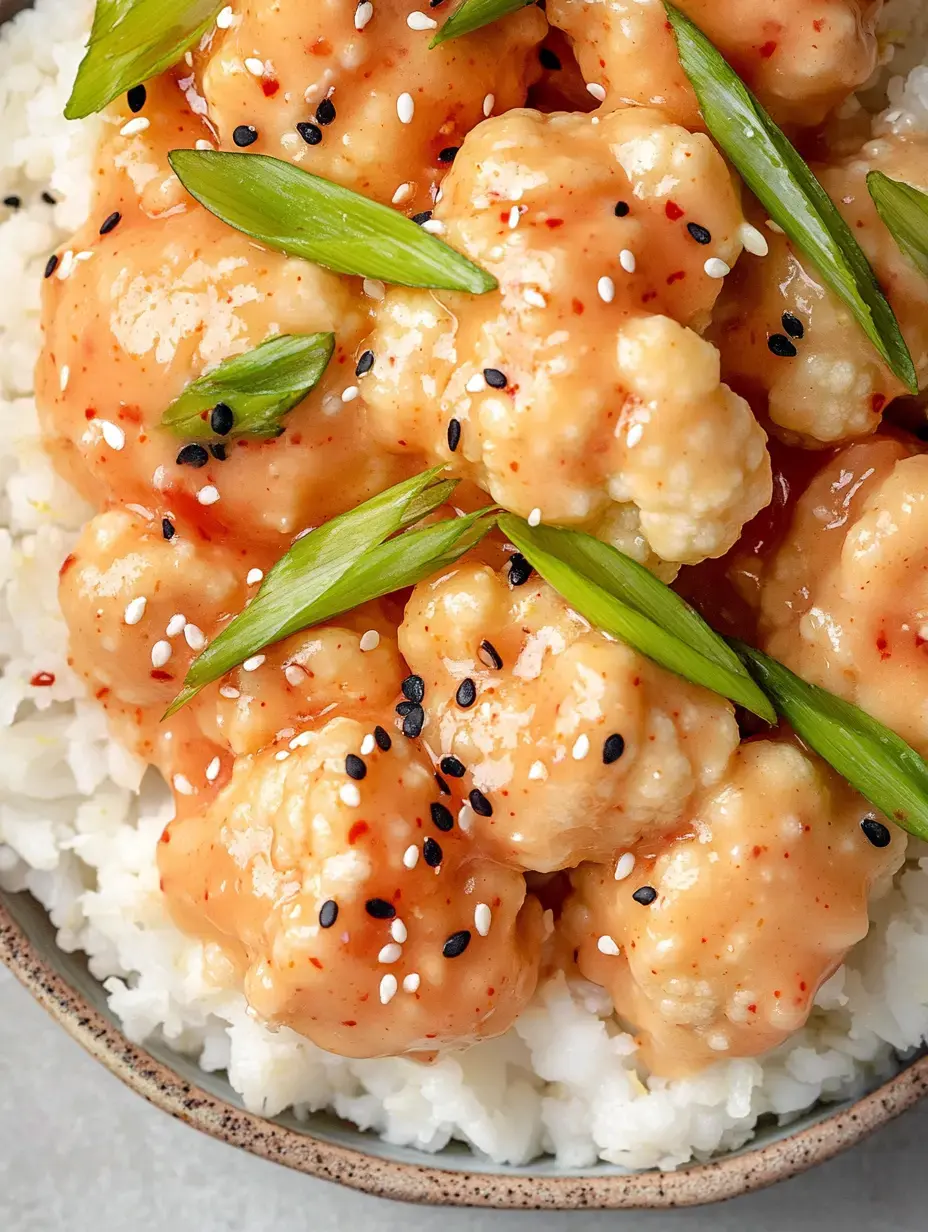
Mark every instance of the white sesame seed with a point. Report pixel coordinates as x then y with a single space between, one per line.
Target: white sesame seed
373 288
398 931
202 144
411 856
362 14
212 770
534 298
368 744
112 434
176 625
301 741
225 17
754 241
282 755
254 576
628 261
405 108
403 192
182 784
466 817
581 747
194 637
476 383
160 653
135 610
514 215
598 91
538 771
63 377
483 918
411 982
390 953
716 268
252 664
229 691
370 640
488 104
138 125
208 495
606 945
624 865
421 21
388 987
349 394
350 795
254 66
534 518
66 265
606 289
434 226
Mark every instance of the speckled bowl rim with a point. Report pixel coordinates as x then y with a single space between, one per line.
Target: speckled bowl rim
724 1178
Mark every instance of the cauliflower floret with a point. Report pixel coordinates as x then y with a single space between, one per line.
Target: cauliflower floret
715 944
390 103
845 600
575 742
831 385
349 915
576 387
803 57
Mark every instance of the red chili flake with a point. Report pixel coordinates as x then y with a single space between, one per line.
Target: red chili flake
101 693
165 835
677 276
359 828
752 1009
321 47
577 306
349 1022
818 25
673 211
777 993
316 963
802 985
270 86
90 413
554 223
882 646
66 564
159 673
877 402
767 50
41 680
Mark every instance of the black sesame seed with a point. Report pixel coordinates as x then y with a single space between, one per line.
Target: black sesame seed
419 219
613 748
380 909
448 154
414 722
700 234
403 708
480 804
622 209
454 434
136 99
311 133
780 345
192 455
548 59
442 785
466 694
793 326
876 832
384 743
365 363
489 655
456 944
441 816
432 853
218 450
646 895
328 913
49 199
222 419
12 202
245 134
325 112
519 569
433 4
413 688
494 378
111 223
452 767
355 767
51 265
168 530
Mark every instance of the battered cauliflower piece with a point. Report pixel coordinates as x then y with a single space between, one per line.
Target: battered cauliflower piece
802 57
577 387
832 385
716 942
845 600
349 915
574 743
374 108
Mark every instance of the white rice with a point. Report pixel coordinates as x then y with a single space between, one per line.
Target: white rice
79 836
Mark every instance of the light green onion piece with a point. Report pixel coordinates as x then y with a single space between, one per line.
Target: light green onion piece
132 41
306 216
259 387
904 210
792 196
474 14
874 760
553 553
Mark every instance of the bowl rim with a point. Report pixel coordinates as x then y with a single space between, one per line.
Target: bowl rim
715 1181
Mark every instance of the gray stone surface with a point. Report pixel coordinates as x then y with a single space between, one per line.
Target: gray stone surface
80 1153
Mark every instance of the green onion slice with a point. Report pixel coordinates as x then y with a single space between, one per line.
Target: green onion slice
259 387
132 41
474 14
306 216
645 614
874 760
904 210
792 196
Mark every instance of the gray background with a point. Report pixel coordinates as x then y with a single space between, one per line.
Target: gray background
81 1153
